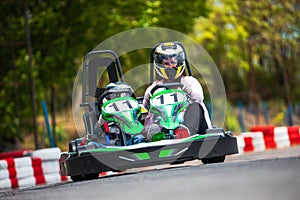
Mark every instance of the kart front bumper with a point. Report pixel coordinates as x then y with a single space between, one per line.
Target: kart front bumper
141 155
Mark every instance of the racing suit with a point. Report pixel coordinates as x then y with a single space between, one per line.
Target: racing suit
196 116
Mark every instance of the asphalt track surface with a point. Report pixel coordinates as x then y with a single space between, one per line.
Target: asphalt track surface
266 175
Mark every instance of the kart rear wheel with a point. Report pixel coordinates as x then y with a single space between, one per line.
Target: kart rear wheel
218 159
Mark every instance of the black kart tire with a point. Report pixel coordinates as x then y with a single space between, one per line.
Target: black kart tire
91 176
85 177
218 159
77 178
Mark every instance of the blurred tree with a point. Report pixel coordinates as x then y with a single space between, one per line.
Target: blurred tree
62 31
224 38
255 45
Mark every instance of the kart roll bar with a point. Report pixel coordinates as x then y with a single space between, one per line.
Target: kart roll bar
93 60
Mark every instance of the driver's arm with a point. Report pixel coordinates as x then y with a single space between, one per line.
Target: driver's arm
147 95
195 89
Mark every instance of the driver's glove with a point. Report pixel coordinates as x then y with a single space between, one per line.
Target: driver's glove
187 88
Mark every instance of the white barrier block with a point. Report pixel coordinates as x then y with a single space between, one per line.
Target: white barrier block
22 162
5 183
53 178
259 147
47 154
4 174
51 166
281 137
258 141
3 164
27 182
24 172
240 143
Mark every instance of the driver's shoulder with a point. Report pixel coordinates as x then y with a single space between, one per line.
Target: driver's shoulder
188 79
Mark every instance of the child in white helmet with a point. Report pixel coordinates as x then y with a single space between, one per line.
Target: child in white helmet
113 91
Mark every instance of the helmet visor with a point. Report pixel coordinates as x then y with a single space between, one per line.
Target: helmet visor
170 62
167 56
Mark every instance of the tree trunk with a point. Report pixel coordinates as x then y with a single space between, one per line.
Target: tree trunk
31 79
283 65
253 95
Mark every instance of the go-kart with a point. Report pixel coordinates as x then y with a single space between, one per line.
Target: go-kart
109 150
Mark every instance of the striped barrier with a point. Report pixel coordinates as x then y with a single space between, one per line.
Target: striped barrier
34 168
261 138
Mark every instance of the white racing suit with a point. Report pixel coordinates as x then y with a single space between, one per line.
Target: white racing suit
196 116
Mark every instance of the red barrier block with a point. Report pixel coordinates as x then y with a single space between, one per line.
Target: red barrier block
294 135
14 183
10 162
248 144
12 172
38 171
63 178
40 180
268 131
270 142
14 154
36 161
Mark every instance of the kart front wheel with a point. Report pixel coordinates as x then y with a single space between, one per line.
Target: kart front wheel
77 178
218 159
91 176
85 177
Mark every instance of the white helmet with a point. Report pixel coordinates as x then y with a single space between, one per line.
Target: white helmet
118 89
169 60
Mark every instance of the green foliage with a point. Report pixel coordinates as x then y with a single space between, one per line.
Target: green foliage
62 32
262 33
60 137
231 120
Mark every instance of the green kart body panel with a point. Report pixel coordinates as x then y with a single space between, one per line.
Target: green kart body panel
168 104
124 111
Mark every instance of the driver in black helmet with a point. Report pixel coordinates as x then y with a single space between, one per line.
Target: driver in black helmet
169 62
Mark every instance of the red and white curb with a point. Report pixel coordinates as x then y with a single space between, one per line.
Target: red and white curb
35 168
261 138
